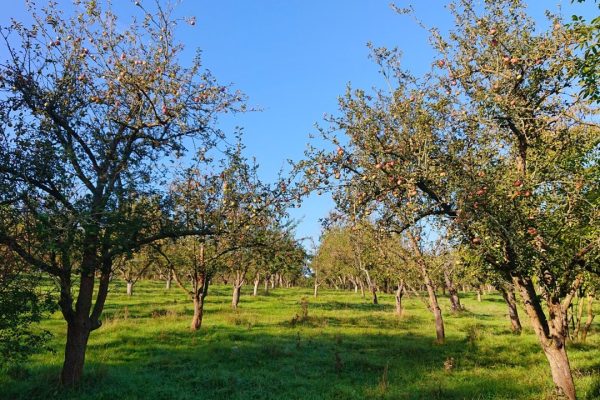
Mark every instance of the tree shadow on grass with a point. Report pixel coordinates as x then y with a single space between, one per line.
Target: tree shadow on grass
304 363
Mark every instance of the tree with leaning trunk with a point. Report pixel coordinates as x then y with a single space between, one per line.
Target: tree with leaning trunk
497 145
525 177
89 114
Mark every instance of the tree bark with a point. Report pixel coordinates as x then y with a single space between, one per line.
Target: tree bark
479 294
550 336
238 282
198 296
129 288
437 313
256 283
78 333
433 301
169 280
454 299
590 317
79 321
399 294
508 294
560 368
577 324
235 299
198 312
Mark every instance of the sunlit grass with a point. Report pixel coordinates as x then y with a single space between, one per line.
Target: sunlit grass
347 348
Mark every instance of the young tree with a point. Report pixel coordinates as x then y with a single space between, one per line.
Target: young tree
88 111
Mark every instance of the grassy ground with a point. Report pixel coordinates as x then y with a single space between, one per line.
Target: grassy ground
345 349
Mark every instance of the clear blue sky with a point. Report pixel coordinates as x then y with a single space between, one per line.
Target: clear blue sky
293 58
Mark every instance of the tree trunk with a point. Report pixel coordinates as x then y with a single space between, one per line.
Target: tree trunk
433 301
129 288
316 289
508 293
169 279
374 291
198 312
256 283
198 296
238 282
479 294
454 299
362 288
560 368
590 317
577 324
78 333
551 337
437 313
79 321
266 285
399 294
235 299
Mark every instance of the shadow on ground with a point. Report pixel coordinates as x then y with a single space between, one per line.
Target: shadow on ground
231 363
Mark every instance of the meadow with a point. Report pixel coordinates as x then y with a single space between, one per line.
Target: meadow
279 346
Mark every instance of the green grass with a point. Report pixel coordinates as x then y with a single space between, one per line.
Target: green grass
346 349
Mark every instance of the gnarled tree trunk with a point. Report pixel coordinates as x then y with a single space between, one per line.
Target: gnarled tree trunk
78 332
83 319
551 336
198 297
454 299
